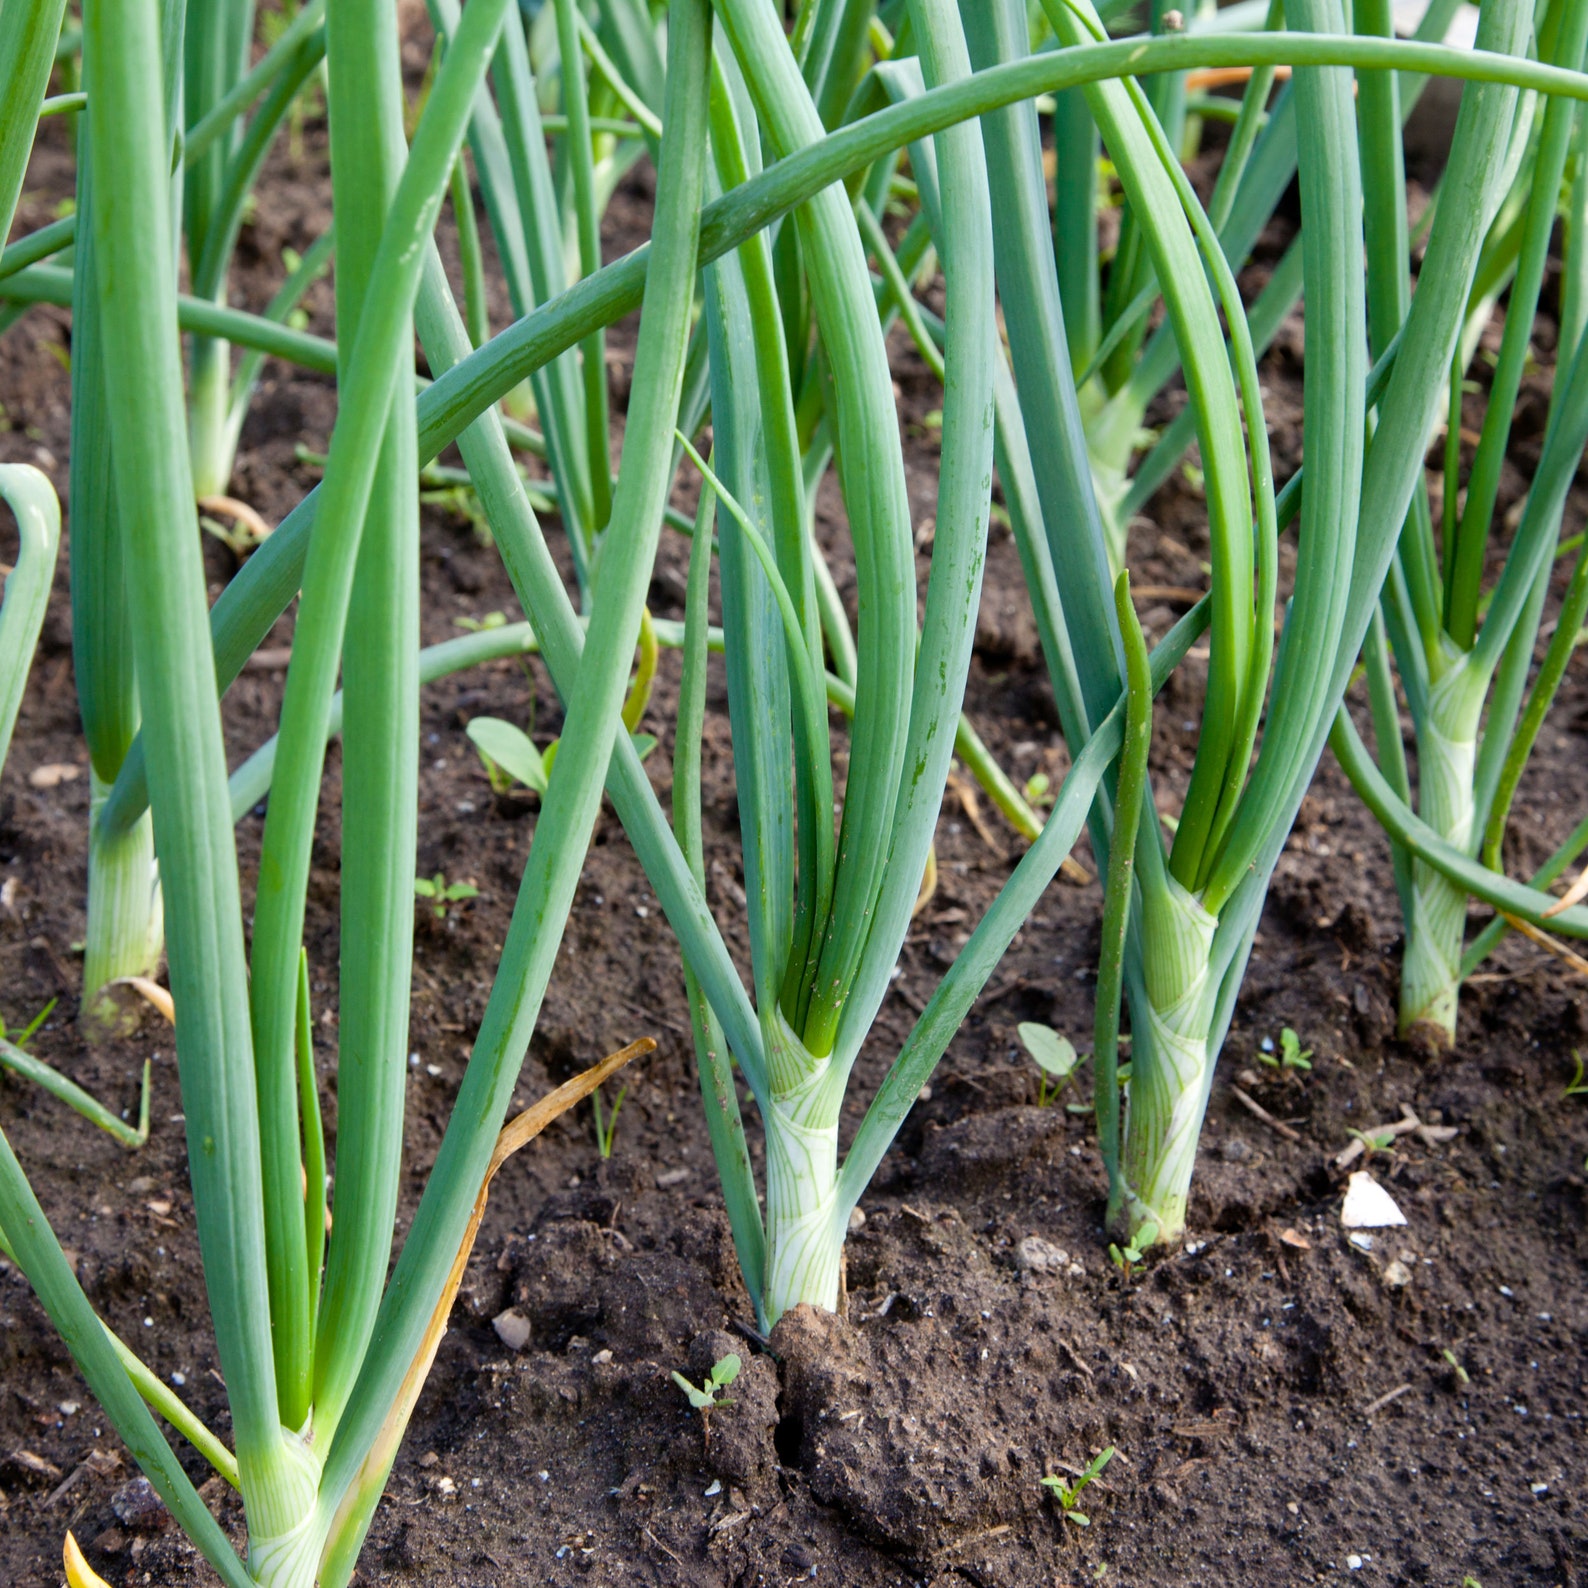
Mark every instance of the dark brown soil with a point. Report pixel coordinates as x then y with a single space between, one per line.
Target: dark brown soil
1283 1410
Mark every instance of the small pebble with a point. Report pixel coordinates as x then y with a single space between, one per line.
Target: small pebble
1036 1256
138 1507
715 1489
1367 1205
512 1329
53 775
857 1219
1397 1276
1353 1562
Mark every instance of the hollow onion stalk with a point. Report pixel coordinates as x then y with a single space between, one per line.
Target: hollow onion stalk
125 933
1199 904
1464 685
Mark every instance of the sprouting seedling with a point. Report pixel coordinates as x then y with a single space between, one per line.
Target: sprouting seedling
1125 1258
1462 1376
705 1397
1054 1055
606 1124
1039 790
510 755
491 620
25 1035
441 893
1375 1141
1291 1055
1577 1086
1067 1494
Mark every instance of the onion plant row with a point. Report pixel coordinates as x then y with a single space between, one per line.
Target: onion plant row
768 291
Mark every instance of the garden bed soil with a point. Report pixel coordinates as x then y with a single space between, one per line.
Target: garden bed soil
1285 1407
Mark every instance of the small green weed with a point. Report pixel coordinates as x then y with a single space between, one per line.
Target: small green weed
1068 1494
441 893
706 1396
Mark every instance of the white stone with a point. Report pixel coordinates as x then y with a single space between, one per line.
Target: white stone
1368 1206
512 1329
1037 1256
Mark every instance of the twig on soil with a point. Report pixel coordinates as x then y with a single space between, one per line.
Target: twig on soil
663 1548
1277 1125
979 1538
1384 1400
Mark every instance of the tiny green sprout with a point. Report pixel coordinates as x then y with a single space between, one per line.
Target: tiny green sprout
1462 1376
1054 1055
25 1035
1291 1055
508 753
441 893
606 1124
1067 1494
1375 1141
708 1395
1469 1581
1577 1087
1039 790
491 620
1125 1258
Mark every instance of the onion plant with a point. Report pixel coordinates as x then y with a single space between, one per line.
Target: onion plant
1461 653
322 1357
1199 897
124 936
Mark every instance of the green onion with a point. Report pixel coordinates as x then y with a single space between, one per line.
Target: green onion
1464 687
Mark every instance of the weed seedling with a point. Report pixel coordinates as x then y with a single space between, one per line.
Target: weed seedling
706 1397
1577 1087
22 1037
606 1129
491 620
1375 1141
1054 1055
509 755
441 893
1068 1494
1462 1376
1291 1055
1127 1257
